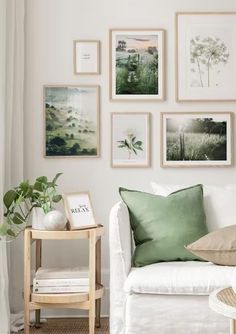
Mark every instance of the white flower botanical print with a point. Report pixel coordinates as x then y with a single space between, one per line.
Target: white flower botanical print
208 56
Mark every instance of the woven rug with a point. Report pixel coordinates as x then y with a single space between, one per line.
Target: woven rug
69 326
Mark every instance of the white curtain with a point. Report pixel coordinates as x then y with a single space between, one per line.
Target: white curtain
11 126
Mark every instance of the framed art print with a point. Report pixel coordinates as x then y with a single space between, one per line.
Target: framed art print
71 121
86 57
79 210
196 139
136 64
130 140
206 53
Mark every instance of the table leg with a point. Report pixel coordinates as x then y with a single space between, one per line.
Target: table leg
26 281
232 326
92 280
98 280
38 254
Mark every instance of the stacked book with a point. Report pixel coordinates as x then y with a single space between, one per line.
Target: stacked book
56 280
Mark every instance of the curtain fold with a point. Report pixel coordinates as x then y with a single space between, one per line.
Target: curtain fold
4 299
11 136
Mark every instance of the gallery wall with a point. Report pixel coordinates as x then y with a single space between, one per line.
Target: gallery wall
51 27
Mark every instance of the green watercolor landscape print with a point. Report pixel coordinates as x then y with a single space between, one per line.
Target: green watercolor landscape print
137 58
71 121
197 139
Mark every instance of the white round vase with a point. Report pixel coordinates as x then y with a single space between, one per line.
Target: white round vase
54 221
37 219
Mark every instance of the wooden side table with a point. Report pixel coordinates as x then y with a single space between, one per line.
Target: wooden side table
223 301
87 301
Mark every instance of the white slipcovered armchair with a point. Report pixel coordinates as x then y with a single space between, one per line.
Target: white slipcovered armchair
162 298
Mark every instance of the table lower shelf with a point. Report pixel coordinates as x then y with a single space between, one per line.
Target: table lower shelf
64 298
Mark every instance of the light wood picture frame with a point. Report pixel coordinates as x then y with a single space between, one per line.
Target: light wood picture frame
205 56
130 139
137 64
87 57
79 211
71 121
196 139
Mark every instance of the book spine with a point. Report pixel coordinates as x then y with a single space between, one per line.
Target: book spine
61 282
59 289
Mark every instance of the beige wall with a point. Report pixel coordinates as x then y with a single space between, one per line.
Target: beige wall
51 27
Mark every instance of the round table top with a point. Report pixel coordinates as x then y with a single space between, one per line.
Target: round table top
223 301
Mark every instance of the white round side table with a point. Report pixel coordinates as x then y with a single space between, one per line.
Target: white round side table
223 301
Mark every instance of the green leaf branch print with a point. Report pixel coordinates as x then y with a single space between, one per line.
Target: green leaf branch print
131 144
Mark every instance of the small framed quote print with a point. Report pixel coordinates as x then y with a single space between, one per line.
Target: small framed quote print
196 139
130 140
86 57
79 210
206 53
137 64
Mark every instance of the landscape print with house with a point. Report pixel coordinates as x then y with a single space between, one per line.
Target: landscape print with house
71 121
137 64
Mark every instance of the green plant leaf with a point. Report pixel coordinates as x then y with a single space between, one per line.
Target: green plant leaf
42 179
56 177
127 144
24 186
46 207
9 198
56 198
11 233
39 186
139 143
18 219
139 148
35 195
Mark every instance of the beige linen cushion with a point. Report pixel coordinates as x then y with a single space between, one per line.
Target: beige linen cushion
218 247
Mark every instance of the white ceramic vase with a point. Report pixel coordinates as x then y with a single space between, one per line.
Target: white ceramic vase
38 218
54 221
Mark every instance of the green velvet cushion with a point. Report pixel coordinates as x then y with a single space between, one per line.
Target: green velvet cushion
162 226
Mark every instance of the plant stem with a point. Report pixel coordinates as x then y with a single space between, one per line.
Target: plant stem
199 71
22 212
208 71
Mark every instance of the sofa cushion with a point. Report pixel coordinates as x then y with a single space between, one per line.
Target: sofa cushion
218 246
162 226
185 278
219 202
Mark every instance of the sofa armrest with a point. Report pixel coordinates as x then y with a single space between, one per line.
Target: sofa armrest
120 264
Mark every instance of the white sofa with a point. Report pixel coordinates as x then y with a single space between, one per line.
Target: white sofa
172 297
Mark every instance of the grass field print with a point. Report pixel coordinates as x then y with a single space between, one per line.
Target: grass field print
137 64
200 139
71 121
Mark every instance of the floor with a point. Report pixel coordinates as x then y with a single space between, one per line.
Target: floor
69 326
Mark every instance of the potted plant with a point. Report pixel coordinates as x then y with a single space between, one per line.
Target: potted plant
20 201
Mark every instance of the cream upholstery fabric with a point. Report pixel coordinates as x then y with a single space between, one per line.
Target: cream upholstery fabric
139 313
171 314
120 264
183 278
